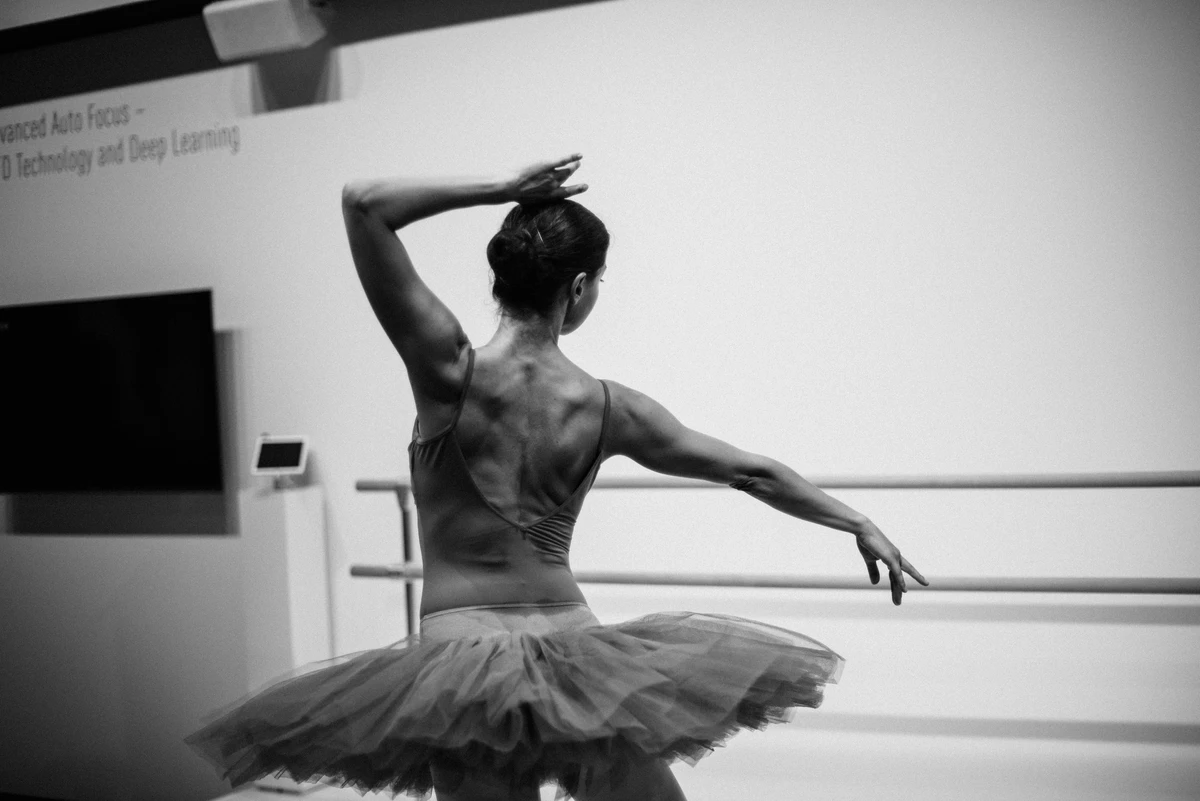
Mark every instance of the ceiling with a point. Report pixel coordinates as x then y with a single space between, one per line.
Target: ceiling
15 13
43 43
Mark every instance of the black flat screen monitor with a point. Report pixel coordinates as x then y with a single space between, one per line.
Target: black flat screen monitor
115 394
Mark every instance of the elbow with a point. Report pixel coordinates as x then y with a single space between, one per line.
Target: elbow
755 475
743 484
354 197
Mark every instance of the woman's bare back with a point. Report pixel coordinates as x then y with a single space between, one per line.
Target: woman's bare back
529 429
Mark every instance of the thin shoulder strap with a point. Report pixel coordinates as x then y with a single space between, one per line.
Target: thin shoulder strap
416 435
466 383
604 421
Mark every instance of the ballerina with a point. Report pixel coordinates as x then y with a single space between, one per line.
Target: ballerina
511 681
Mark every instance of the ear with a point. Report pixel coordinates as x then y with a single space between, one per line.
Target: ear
577 286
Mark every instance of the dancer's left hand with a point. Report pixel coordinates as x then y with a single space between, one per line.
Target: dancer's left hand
874 546
544 181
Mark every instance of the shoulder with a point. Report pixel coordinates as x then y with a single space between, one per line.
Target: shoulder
636 419
561 378
439 388
444 379
631 404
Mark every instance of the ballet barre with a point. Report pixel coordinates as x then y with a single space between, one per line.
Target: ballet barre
1130 586
410 572
978 481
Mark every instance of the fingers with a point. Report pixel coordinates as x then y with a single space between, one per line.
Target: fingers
898 588
912 571
545 181
562 173
566 160
562 169
873 546
872 564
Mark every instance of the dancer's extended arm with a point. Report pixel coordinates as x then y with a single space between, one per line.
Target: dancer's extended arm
650 435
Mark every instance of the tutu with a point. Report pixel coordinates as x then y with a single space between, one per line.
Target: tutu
537 694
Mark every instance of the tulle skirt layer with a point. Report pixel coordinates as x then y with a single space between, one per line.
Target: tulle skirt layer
533 694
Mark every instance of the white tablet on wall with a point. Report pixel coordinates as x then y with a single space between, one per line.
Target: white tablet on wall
280 456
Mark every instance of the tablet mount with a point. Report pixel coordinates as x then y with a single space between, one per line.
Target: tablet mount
283 458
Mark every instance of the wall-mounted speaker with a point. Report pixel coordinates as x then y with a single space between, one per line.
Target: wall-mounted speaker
242 29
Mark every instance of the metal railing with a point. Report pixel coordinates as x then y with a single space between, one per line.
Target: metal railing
979 481
410 572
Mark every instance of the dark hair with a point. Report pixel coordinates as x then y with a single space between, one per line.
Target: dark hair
541 248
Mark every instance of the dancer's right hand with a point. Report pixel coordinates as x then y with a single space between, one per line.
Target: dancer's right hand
874 546
544 181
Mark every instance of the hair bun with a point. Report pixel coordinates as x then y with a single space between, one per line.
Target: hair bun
515 244
514 255
540 249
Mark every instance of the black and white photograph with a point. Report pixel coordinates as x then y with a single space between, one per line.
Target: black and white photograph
599 400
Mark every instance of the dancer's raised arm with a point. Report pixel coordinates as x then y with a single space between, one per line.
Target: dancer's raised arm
643 430
424 331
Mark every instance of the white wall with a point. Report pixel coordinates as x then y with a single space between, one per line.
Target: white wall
864 237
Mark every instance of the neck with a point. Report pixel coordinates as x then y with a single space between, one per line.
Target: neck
529 333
